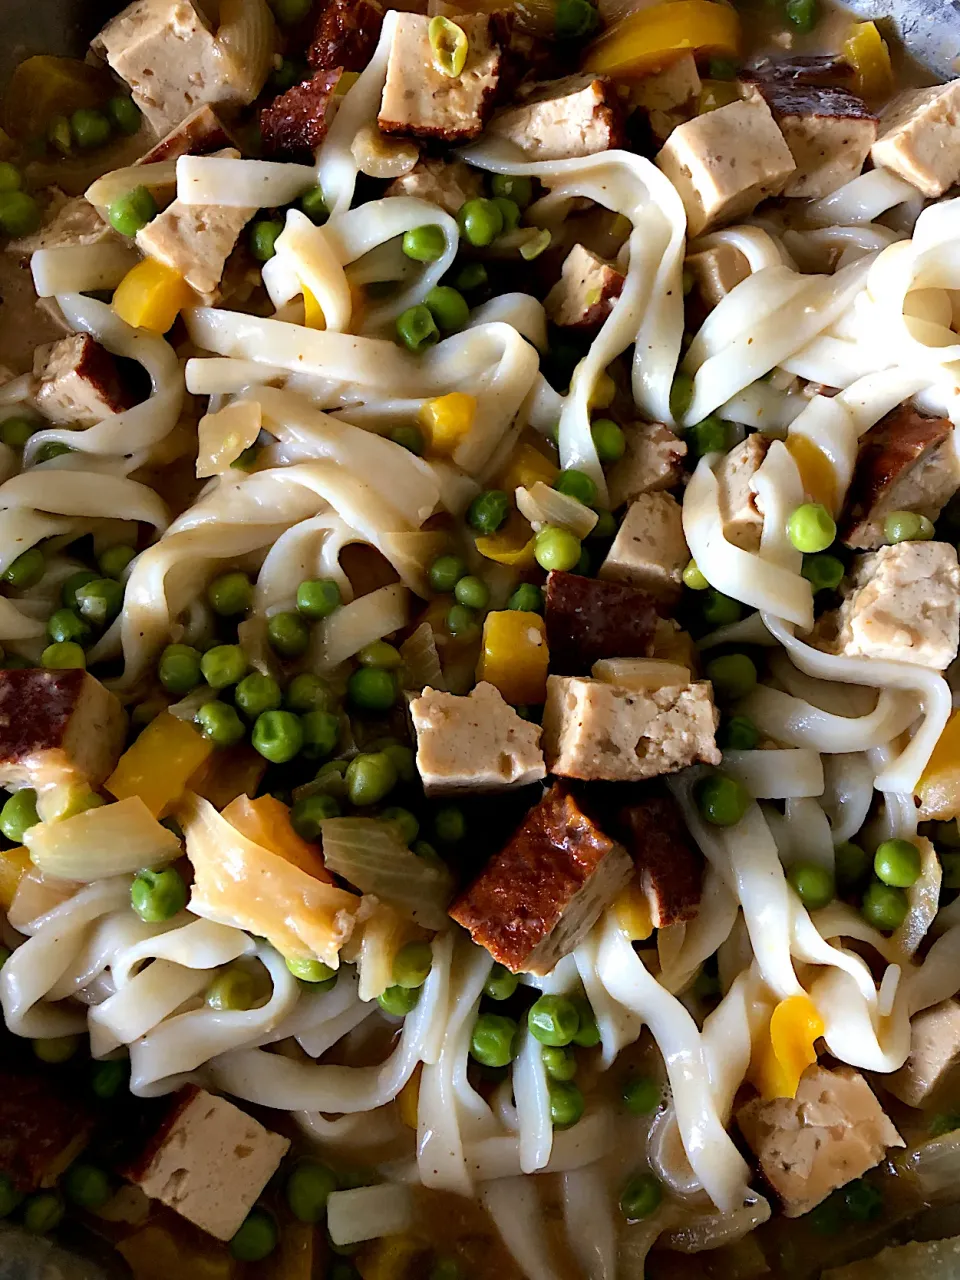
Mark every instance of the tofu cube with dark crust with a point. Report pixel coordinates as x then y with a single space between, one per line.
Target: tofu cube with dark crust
833 1131
79 381
906 462
564 119
653 460
588 620
421 101
198 135
295 123
810 69
934 1056
209 1161
57 726
346 35
43 1129
536 899
668 863
584 295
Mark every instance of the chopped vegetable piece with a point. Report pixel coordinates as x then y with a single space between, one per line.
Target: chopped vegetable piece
867 52
448 420
151 296
650 39
515 658
788 1050
159 764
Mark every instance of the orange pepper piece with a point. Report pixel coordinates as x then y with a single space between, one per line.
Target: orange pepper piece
514 656
651 39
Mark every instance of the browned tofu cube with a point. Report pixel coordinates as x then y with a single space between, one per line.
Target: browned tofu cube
536 899
296 122
564 119
584 295
669 864
200 133
588 620
934 1055
345 35
42 1129
653 460
56 726
79 382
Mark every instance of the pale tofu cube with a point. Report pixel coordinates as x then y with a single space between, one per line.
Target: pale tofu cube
79 383
584 295
422 101
833 1131
829 132
74 222
650 550
563 119
920 138
669 96
934 1053
209 1162
742 518
903 606
652 460
448 184
474 743
717 272
725 162
604 732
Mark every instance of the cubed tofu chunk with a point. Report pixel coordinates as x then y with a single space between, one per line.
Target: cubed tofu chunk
920 138
650 550
345 35
829 132
474 743
833 1131
563 119
742 519
602 732
670 96
43 1128
934 1053
79 382
73 222
198 135
536 899
584 295
668 864
725 162
905 463
295 123
419 100
903 606
448 184
588 620
209 1161
653 460
57 726
717 272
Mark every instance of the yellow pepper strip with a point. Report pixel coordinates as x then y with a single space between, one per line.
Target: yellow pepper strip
795 1026
525 468
153 1253
867 52
13 864
390 1258
650 39
266 821
939 787
448 420
632 913
227 773
151 296
816 471
313 316
511 545
514 656
408 1100
159 764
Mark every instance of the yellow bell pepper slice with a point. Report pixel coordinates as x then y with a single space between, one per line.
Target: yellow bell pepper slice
939 786
867 52
13 864
650 39
153 1253
632 913
795 1026
512 545
46 86
514 656
816 471
525 468
408 1100
448 421
160 763
313 316
266 821
151 296
390 1258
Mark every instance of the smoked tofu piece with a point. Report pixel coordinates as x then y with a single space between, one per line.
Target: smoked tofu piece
448 184
474 743
670 96
668 863
57 726
829 132
905 463
650 550
603 732
652 460
903 606
717 272
920 138
833 1131
43 1128
345 35
742 519
79 382
588 620
209 1161
536 899
725 162
934 1053
74 222
584 295
198 135
420 101
563 119
296 121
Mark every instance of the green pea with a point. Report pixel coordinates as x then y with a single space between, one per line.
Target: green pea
864 1201
823 572
230 594
68 592
318 598
906 526
472 592
309 969
263 237
321 730
308 813
512 187
314 206
473 275
494 1040
59 135
553 1020
113 561
722 69
124 115
574 19
372 689
90 128
288 634
10 1197
52 449
108 1078
369 778
233 989
43 1212
179 668
803 14
448 307
884 906
257 693
424 244
712 435
566 1103
640 1197
943 1123
290 72
399 1001
501 983
461 621
19 216
10 177
811 527
733 676
257 1235
16 431
556 548
219 722
641 1095
412 964
100 601
380 654
527 599
26 570
157 896
897 863
410 438
681 395
950 863
608 440
721 800
57 1050
693 578
416 328
606 526
19 814
587 1033
576 484
719 610
223 665
277 735
851 864
403 761
444 1269
132 211
65 625
559 1064
308 1188
449 824
63 656
813 884
740 734
87 1185
446 572
247 460
480 222
487 512
405 823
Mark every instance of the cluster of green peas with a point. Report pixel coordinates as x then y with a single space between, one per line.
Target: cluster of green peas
264 232
16 430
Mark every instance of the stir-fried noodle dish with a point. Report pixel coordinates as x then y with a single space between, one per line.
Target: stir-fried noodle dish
478 512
